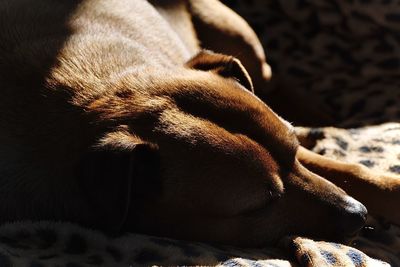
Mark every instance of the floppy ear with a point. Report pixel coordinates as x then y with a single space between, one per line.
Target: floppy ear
110 178
226 66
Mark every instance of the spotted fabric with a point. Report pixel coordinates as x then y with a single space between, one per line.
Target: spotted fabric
345 56
378 148
62 244
311 253
341 56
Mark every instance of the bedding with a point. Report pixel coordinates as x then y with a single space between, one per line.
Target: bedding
344 57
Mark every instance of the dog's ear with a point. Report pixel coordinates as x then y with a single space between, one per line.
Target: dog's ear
110 178
226 66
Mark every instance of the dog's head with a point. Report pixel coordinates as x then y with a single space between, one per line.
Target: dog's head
198 156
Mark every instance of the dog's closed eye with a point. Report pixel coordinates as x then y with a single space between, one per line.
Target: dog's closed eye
271 196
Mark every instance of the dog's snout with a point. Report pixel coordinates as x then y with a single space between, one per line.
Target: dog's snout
354 217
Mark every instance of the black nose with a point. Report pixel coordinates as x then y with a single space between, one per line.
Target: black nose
354 216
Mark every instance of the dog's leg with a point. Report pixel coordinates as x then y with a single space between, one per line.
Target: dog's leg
380 193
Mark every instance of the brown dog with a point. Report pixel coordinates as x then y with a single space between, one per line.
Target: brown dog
113 117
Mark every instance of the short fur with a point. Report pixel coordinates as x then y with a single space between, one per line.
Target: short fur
113 117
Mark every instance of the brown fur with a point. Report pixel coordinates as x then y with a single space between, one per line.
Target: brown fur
112 116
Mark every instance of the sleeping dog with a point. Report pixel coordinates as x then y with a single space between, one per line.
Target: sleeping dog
114 116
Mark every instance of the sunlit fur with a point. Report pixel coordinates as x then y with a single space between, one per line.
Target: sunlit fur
84 81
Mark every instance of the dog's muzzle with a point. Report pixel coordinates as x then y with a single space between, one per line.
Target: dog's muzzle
354 216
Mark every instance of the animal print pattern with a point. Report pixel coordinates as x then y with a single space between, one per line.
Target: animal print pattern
342 55
61 244
378 148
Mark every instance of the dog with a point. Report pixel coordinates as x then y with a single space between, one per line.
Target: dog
116 114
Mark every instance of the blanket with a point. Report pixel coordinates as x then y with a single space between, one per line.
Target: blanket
350 70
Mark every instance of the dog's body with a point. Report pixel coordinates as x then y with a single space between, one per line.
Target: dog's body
113 117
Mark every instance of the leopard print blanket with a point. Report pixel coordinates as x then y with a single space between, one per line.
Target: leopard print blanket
378 148
341 57
344 55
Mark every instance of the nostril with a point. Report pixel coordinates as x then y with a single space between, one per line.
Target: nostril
354 216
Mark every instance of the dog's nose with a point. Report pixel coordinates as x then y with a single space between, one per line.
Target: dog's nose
354 217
